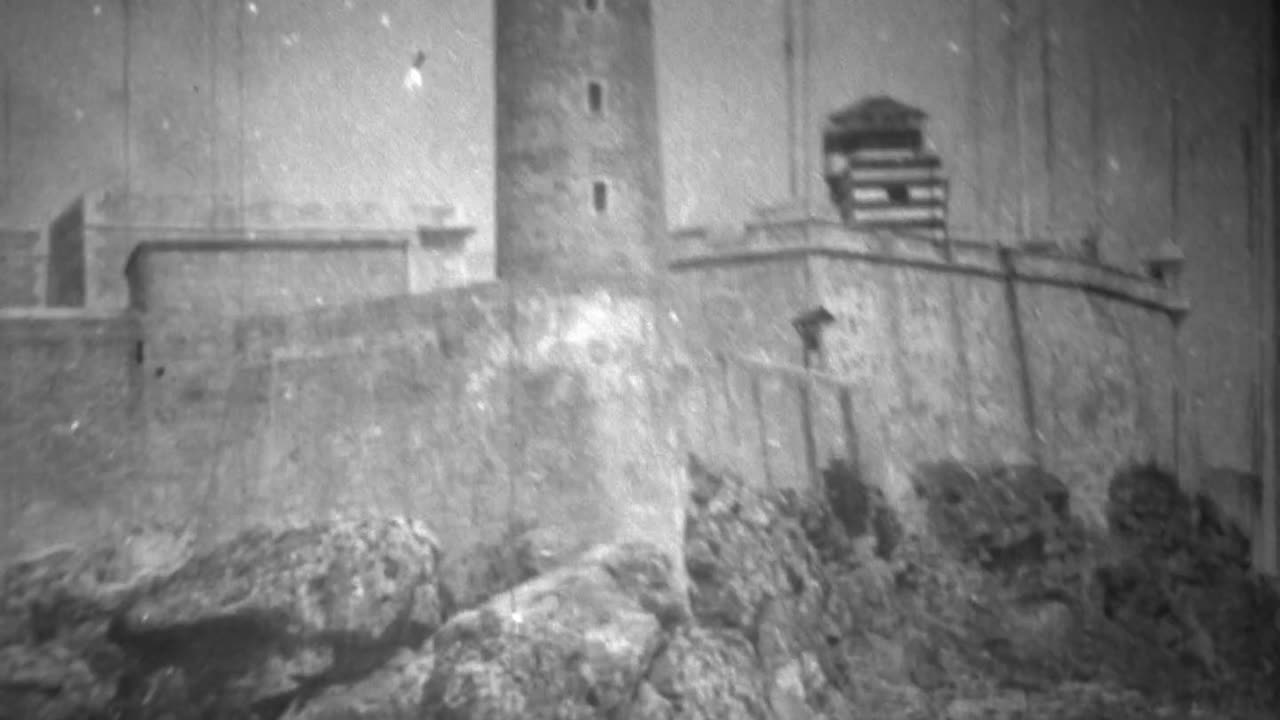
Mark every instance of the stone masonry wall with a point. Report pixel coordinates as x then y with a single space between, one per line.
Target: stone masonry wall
69 426
1083 379
474 409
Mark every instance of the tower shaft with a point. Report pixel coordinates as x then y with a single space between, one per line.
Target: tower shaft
579 175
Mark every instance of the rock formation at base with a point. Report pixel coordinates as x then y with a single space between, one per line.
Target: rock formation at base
801 605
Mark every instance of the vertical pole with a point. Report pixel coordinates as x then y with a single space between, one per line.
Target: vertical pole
1021 352
757 401
853 449
806 410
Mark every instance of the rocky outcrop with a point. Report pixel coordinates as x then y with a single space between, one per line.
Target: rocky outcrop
244 630
799 605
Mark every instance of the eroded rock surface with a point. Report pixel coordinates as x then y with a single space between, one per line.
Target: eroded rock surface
800 605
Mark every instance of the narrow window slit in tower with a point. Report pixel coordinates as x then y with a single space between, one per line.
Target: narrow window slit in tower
600 197
595 97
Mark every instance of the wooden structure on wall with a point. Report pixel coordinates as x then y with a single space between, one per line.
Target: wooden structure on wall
879 171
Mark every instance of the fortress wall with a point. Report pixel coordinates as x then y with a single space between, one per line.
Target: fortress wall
473 409
191 400
768 449
22 268
1083 378
1095 405
69 394
740 306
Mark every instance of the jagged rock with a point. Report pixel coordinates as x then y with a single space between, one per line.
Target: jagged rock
710 673
744 553
470 576
272 616
772 630
1178 581
573 643
810 605
50 682
392 692
55 610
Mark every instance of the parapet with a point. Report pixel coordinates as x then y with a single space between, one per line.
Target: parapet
773 236
239 276
115 208
112 224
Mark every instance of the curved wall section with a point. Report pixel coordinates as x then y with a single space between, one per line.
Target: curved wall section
984 356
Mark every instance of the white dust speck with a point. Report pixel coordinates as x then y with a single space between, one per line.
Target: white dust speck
290 39
413 79
67 428
253 8
79 114
1113 162
953 46
385 20
164 124
97 10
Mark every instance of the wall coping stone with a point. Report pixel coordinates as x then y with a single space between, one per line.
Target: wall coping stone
761 243
66 324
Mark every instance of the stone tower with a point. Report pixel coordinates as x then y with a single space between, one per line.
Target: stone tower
579 175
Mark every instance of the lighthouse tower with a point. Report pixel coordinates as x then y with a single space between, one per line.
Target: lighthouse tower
579 176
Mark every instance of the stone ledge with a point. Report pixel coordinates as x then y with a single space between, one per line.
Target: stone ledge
64 325
766 241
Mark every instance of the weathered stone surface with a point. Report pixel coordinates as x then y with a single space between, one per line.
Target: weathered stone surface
570 644
475 574
50 682
1179 579
706 673
356 578
275 615
811 605
392 692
